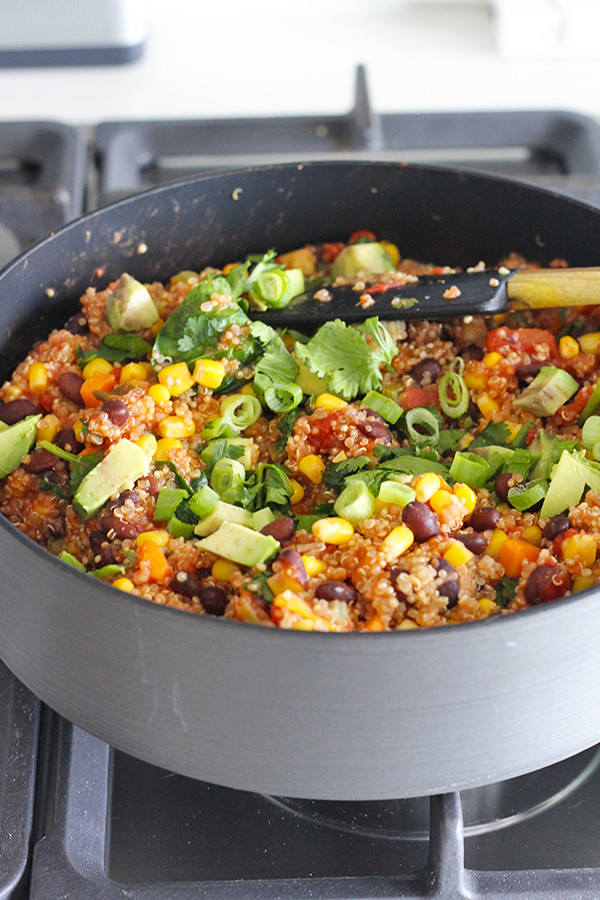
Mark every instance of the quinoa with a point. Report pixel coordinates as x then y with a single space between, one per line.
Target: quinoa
420 547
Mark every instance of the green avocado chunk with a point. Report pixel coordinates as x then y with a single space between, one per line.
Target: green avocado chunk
368 259
15 442
120 468
548 391
223 512
130 306
240 544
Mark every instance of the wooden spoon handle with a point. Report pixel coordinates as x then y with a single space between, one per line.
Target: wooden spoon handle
536 288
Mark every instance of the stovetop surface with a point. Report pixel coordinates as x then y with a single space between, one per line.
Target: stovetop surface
80 820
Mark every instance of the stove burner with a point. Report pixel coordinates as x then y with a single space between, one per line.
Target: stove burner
485 809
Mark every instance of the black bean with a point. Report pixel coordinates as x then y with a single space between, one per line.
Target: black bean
114 526
555 526
15 410
202 572
104 554
70 384
504 482
546 583
116 411
41 461
375 431
282 529
58 527
214 600
77 324
149 484
395 571
66 440
336 590
449 586
472 351
291 562
374 416
421 520
525 371
427 371
473 411
484 517
187 583
476 543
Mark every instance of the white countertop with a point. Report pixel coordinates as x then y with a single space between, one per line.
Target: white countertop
270 57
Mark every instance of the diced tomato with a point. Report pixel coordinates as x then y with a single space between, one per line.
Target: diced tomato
413 397
330 252
523 340
361 236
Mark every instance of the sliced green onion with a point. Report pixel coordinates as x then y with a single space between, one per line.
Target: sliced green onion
240 410
203 501
591 406
71 560
424 419
227 478
590 433
218 428
387 408
524 496
457 365
521 462
453 394
177 528
281 398
108 571
277 287
596 451
356 502
167 502
396 492
470 469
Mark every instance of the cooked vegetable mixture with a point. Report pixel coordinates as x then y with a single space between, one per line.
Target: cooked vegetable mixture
363 478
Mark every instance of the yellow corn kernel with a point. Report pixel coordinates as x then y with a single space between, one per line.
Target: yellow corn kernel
407 625
487 405
227 269
581 582
38 378
475 381
568 347
294 604
148 444
486 605
248 390
150 376
164 447
313 565
426 486
457 554
288 340
176 427
298 493
441 500
579 548
160 538
333 530
375 623
154 329
95 366
124 584
209 373
392 251
491 359
223 569
132 372
159 393
329 402
48 427
533 535
513 429
589 343
78 430
176 378
467 495
340 457
398 541
312 467
497 539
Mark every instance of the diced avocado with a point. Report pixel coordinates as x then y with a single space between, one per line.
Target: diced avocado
248 444
119 470
15 441
548 391
262 517
240 544
566 485
222 513
130 306
308 381
488 452
365 259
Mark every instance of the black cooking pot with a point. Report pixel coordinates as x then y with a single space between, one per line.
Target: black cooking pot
330 716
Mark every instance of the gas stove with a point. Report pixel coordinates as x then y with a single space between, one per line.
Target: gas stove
80 819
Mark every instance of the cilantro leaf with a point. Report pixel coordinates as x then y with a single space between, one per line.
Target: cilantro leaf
506 590
277 366
383 339
269 485
493 433
342 355
335 474
241 281
286 426
219 448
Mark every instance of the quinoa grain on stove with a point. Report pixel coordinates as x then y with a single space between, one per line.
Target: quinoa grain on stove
387 476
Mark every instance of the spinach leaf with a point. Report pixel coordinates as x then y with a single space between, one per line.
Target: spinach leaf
116 348
506 590
81 466
493 433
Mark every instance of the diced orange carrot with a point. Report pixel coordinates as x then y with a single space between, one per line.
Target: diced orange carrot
150 554
101 381
513 553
